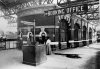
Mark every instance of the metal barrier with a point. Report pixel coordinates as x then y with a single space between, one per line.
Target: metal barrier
8 45
11 44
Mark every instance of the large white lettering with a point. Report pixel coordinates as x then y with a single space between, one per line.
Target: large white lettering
66 10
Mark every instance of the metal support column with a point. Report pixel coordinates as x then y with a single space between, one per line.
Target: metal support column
72 30
81 31
59 37
87 35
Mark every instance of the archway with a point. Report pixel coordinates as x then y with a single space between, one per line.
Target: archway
76 34
84 35
64 31
90 35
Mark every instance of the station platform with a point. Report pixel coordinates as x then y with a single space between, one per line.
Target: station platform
12 59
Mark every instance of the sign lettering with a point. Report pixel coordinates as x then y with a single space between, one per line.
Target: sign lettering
73 8
66 10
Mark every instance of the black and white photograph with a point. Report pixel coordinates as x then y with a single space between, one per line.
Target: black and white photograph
49 34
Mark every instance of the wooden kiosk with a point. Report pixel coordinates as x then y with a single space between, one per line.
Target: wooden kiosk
33 53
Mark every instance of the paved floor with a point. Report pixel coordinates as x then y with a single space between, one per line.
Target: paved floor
12 59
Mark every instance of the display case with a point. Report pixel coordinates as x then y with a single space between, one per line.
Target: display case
34 54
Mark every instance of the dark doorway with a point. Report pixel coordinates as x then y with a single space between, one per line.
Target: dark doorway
84 35
64 31
90 35
76 34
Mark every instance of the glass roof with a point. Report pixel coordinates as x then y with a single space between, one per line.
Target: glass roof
9 4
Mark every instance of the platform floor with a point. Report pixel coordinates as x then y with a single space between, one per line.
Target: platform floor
12 59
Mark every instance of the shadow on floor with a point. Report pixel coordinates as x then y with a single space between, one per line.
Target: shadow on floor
93 62
69 55
98 60
90 64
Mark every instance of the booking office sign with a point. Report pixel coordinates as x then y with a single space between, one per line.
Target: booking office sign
65 10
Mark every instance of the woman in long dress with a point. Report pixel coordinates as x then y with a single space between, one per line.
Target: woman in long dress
48 46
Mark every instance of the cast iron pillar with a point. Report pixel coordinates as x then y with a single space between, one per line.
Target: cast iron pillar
72 30
59 43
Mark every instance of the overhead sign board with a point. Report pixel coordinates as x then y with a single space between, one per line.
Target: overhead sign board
66 10
70 9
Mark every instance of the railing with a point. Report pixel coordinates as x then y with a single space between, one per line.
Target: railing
8 44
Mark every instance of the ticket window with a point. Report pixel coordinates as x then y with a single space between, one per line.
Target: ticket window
77 32
84 32
90 33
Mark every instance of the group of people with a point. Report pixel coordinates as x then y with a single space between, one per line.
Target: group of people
42 39
45 40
